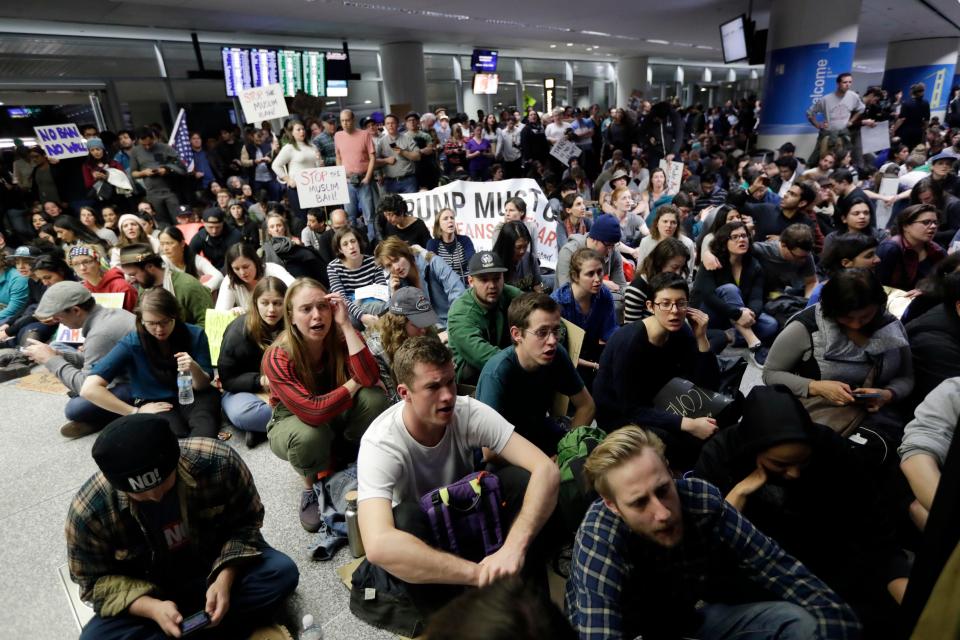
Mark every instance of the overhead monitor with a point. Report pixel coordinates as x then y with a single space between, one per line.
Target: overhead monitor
314 73
336 88
263 67
486 83
290 71
483 61
733 38
236 69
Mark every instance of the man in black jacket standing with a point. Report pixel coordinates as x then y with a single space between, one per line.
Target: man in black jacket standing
215 238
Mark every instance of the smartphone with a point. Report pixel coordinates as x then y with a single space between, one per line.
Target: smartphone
393 145
195 622
866 396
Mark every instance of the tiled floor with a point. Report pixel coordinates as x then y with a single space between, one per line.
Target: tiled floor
40 471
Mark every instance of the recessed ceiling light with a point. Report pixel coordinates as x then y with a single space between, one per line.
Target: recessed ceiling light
569 44
553 46
655 41
368 102
329 102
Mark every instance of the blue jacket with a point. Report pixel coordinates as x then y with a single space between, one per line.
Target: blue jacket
441 284
14 294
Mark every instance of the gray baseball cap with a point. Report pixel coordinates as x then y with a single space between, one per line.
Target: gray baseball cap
411 303
60 296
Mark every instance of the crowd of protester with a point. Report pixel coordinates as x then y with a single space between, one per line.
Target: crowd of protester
800 515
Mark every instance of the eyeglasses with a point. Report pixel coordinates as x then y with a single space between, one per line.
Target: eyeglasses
158 324
739 236
665 305
543 332
927 223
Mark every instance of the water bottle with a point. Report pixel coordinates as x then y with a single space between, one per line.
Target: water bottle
185 387
353 528
311 631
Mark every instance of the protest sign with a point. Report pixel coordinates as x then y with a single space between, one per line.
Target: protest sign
674 171
215 324
263 103
888 187
874 139
564 150
322 186
478 207
75 336
60 141
371 292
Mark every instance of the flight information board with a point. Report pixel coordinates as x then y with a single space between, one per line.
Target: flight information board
263 67
236 69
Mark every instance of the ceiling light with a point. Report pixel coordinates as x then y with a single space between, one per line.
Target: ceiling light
553 46
368 102
329 102
601 33
654 41
569 44
705 47
682 44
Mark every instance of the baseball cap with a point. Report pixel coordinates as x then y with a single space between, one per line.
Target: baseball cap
377 116
26 252
213 214
329 117
134 253
606 229
487 262
411 303
60 296
137 452
943 155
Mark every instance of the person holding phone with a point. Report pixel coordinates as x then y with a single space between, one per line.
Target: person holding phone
188 515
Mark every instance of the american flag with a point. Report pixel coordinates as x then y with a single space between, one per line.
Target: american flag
180 140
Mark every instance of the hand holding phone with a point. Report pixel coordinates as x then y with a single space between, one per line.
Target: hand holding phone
861 396
195 622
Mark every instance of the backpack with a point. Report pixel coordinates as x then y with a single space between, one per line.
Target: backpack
381 600
465 516
575 495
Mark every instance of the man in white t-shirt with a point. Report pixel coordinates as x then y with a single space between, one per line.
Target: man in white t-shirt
427 441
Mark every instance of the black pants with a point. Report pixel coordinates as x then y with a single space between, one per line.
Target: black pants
198 420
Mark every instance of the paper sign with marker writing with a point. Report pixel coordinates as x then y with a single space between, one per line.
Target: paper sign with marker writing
322 186
372 292
215 325
60 141
263 103
876 138
674 171
564 150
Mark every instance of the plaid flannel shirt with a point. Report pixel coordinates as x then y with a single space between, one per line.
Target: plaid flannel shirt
606 555
110 554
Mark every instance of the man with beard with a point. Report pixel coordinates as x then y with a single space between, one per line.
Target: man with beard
149 270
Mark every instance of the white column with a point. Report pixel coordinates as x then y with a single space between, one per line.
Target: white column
404 81
631 76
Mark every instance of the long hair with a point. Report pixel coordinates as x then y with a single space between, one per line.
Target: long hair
665 210
334 363
123 240
160 358
241 250
719 243
665 251
81 233
507 240
189 257
261 333
288 133
393 248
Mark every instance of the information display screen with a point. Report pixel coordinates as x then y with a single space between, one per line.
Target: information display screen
289 67
263 67
733 37
236 69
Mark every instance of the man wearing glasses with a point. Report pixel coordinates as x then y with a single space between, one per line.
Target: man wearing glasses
520 381
72 305
148 270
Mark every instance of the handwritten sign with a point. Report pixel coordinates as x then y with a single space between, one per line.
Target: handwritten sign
61 141
215 325
322 186
263 103
674 171
75 336
564 150
875 138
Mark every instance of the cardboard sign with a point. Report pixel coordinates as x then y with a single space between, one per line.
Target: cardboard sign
674 171
322 186
263 103
215 324
61 141
564 150
876 138
479 208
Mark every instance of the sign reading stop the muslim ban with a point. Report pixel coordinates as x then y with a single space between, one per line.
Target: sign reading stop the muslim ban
322 186
61 141
263 103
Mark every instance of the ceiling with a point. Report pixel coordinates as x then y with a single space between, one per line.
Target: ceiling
682 30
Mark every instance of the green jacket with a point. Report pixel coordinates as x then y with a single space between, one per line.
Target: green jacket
194 298
476 334
110 554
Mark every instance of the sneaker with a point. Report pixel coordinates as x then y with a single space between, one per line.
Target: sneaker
759 354
74 429
254 438
310 511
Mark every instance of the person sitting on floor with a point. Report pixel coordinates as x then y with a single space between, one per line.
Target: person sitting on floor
669 256
147 269
245 388
935 341
666 558
152 357
521 381
245 269
413 266
322 381
187 517
70 304
426 442
90 266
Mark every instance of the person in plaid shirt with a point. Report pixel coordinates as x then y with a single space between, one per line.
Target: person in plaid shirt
666 558
165 530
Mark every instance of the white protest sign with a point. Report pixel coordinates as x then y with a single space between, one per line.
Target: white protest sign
479 208
674 171
61 141
75 336
888 187
876 138
564 150
263 103
322 186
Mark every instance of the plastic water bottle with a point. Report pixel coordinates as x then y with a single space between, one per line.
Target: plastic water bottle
185 387
353 529
311 630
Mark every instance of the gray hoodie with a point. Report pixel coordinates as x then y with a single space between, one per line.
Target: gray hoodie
101 332
934 423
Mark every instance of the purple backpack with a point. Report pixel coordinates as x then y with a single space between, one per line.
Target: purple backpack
465 516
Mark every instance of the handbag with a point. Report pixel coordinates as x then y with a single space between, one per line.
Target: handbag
465 516
845 419
683 398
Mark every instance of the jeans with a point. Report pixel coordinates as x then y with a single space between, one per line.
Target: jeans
82 410
406 184
757 621
260 586
765 327
364 196
246 411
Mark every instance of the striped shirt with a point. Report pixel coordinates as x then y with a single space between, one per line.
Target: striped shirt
346 281
621 585
456 254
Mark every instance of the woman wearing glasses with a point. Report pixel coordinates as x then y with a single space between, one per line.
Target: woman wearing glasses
642 357
911 255
89 263
733 294
151 358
